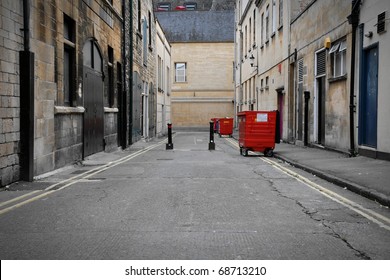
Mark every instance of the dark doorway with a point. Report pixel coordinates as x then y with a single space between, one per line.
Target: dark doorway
369 99
281 110
321 110
93 99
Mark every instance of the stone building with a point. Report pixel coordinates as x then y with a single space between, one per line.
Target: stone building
66 91
143 96
321 66
262 58
318 53
163 81
202 65
11 42
372 83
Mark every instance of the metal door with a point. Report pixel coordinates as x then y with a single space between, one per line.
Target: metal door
281 112
321 110
299 98
369 99
93 99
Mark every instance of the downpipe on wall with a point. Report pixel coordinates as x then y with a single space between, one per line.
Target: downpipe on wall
353 19
26 100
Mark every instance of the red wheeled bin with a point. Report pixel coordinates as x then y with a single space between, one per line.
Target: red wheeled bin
258 131
225 126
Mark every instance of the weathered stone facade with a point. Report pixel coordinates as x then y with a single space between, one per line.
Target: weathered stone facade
58 34
11 42
144 93
292 53
204 44
163 82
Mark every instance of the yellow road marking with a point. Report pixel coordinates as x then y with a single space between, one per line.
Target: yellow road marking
367 213
73 180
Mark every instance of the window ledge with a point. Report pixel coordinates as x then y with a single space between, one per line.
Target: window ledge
68 110
336 79
110 110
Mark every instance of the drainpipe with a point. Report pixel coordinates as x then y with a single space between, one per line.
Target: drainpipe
353 19
131 53
123 99
26 100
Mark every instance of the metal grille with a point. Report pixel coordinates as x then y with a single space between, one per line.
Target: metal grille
381 27
300 71
321 63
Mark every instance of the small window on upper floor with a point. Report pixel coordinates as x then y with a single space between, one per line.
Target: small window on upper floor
163 7
190 6
180 69
338 56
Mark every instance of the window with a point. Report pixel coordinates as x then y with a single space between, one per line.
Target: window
145 40
69 60
168 82
266 82
190 6
246 39
267 24
254 27
273 16
250 33
180 69
150 30
280 13
163 7
338 55
262 29
110 67
139 16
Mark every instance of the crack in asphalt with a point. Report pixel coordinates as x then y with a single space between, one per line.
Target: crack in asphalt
360 254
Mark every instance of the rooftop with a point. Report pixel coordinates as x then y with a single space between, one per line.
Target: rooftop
197 26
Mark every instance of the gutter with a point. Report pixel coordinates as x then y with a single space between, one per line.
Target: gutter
27 96
353 19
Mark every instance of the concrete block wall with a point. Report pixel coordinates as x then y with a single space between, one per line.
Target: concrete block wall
11 42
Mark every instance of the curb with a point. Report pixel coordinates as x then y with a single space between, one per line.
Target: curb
363 191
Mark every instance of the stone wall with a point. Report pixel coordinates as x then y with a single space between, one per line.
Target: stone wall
11 42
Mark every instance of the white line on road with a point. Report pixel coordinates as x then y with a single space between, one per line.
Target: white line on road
371 215
73 180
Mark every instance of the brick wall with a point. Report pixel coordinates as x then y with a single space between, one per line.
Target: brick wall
11 20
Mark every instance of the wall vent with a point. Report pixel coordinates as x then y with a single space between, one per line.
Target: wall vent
381 25
321 63
300 71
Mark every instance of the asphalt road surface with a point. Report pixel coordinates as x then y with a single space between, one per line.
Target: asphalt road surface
189 203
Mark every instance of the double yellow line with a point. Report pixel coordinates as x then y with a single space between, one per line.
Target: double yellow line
371 215
35 195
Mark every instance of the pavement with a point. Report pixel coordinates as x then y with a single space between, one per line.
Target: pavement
365 176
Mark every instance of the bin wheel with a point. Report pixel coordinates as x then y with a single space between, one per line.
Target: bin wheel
243 151
268 152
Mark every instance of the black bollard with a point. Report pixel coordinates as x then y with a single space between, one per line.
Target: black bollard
211 143
169 145
306 116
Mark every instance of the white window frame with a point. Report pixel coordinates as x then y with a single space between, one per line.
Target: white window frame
338 56
273 17
180 74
